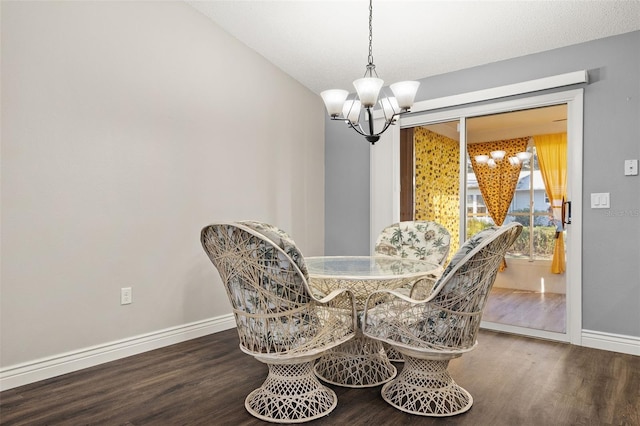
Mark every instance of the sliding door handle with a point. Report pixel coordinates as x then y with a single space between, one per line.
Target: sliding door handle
566 213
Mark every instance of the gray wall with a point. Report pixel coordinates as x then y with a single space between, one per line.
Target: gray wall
346 191
611 238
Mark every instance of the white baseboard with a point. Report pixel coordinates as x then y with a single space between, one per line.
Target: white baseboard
611 342
530 332
46 368
589 339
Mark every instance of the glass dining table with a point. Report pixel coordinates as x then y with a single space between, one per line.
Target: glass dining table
361 362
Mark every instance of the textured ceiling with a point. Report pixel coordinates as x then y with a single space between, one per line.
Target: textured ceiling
324 44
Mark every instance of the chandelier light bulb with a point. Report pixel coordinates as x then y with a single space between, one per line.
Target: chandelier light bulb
481 159
368 89
405 93
524 156
334 101
351 110
494 157
390 107
498 155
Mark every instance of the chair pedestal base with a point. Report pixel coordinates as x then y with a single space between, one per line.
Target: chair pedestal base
425 388
291 394
392 353
358 363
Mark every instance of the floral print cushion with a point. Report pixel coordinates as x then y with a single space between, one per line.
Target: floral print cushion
457 287
420 240
469 245
281 239
278 286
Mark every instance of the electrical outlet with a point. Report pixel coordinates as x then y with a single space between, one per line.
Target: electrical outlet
126 296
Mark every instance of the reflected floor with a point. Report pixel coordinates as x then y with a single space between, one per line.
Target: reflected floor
541 311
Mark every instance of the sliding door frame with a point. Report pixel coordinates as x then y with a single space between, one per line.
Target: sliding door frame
385 187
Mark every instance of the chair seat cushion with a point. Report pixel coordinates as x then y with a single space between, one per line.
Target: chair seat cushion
418 325
297 331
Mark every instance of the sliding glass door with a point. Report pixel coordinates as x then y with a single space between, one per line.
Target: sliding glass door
506 184
445 176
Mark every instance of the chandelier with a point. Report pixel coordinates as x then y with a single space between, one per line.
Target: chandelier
495 157
368 88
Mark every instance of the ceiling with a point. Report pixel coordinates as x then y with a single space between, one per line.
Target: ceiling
324 44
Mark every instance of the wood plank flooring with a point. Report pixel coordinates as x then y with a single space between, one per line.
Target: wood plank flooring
530 309
514 380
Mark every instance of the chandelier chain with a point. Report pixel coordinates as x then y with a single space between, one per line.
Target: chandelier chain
370 32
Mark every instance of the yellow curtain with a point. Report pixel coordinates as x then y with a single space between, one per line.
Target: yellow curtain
437 182
552 158
497 184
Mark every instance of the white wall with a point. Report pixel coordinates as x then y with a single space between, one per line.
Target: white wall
127 127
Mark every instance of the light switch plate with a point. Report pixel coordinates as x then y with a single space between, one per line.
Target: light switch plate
630 167
600 200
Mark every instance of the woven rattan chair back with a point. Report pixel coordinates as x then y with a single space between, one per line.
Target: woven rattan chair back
262 281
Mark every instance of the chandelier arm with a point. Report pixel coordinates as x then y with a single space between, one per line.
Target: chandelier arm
393 112
370 71
358 128
385 127
355 127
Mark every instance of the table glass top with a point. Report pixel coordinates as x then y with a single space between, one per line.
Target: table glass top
366 266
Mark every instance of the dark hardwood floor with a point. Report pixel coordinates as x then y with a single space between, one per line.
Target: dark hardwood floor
514 381
530 309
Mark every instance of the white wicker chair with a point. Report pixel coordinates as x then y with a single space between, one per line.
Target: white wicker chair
431 332
279 321
422 240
